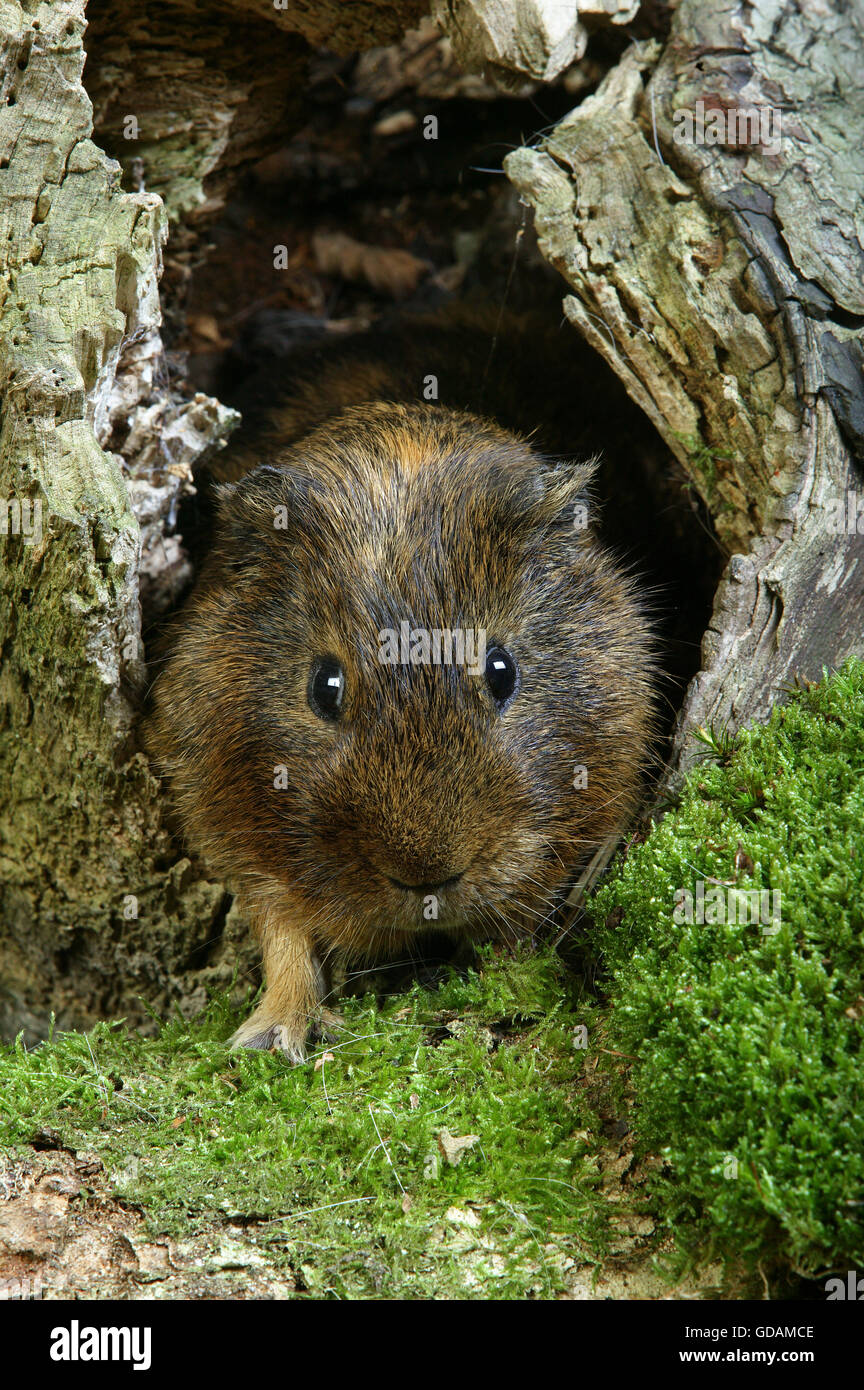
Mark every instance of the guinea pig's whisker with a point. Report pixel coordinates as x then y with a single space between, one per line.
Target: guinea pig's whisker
550 845
490 923
541 917
507 926
357 973
541 898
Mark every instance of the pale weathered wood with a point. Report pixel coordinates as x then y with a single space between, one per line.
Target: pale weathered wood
91 911
528 38
186 96
725 286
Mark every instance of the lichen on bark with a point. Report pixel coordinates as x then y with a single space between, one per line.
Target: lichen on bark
722 282
93 912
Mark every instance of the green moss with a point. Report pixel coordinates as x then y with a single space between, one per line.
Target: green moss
704 461
747 1079
750 1078
196 1136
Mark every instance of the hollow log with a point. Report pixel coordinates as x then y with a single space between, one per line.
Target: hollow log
722 282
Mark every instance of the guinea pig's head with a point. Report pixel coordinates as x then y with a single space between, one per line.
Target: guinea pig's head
413 687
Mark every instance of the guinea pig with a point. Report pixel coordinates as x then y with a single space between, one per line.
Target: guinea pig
412 689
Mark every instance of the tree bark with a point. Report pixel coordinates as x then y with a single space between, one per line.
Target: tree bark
186 100
93 911
724 285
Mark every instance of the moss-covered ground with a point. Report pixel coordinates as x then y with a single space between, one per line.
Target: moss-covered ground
350 1167
750 1078
678 1091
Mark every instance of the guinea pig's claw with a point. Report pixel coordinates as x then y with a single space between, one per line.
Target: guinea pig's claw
276 1038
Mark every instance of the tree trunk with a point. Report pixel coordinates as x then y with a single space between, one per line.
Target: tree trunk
724 285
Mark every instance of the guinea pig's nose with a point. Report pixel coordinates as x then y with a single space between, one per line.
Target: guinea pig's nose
426 887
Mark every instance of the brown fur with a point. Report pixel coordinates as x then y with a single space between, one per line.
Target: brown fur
443 519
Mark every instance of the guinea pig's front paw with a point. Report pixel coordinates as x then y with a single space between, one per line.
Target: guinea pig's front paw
264 1036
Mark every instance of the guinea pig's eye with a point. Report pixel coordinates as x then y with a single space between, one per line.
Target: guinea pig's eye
502 674
326 688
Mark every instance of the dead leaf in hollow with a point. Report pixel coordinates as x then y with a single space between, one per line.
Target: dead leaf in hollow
205 326
384 268
395 124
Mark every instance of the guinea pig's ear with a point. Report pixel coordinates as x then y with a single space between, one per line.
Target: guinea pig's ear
563 500
256 513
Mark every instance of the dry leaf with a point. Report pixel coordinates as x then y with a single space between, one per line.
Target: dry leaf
462 1217
205 326
325 1057
396 124
453 1147
388 270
